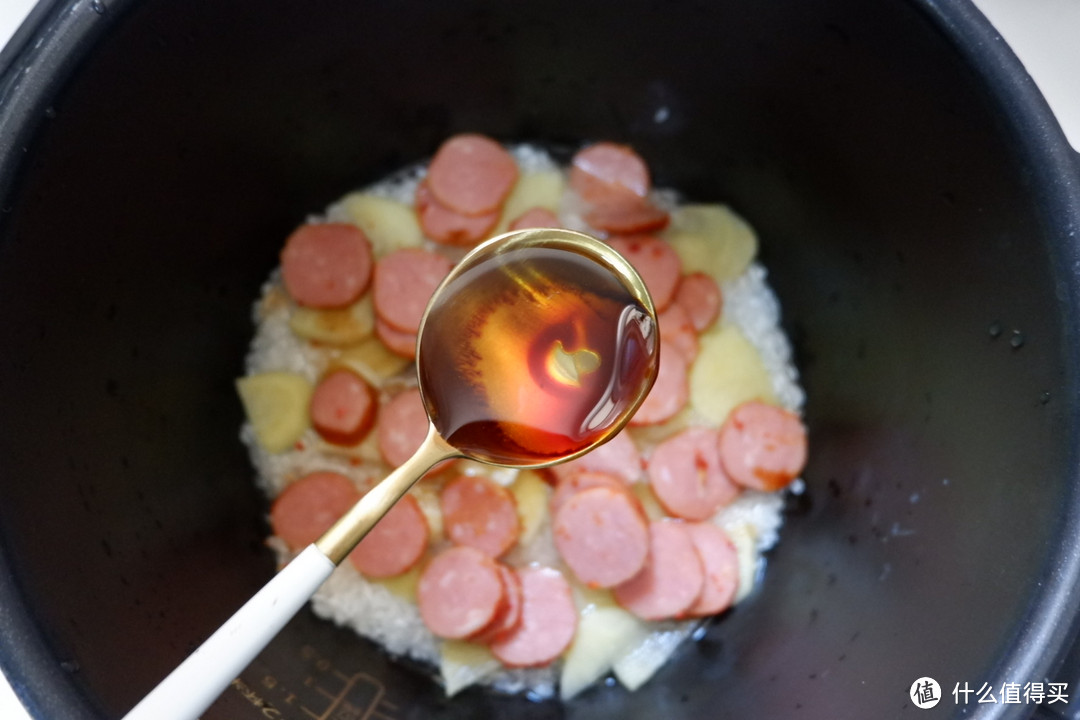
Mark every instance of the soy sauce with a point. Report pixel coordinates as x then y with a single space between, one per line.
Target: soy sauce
534 355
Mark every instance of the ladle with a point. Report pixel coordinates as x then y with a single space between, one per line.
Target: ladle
537 347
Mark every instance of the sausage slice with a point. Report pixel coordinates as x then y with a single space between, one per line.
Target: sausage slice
326 265
460 592
671 581
480 513
602 536
762 447
395 544
309 506
343 408
472 174
548 620
687 477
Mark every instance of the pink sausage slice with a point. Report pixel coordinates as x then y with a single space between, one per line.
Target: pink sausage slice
447 227
548 620
397 342
657 263
669 393
700 297
395 544
570 485
762 447
510 616
671 581
687 477
627 218
460 593
537 217
402 427
607 172
404 282
618 456
480 513
326 265
343 408
602 536
309 506
472 174
721 565
677 331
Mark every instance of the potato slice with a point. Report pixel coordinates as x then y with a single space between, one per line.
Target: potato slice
276 404
538 189
744 538
727 372
370 360
427 496
404 585
604 634
712 239
649 503
339 327
388 224
462 664
531 495
634 668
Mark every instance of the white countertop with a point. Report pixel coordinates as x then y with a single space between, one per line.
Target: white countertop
1042 33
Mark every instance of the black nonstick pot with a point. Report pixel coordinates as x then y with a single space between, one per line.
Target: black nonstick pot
918 209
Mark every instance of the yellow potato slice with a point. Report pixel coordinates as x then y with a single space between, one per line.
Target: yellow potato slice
276 404
339 327
603 635
653 510
635 666
712 239
538 189
727 372
427 497
462 664
370 360
744 538
404 585
531 495
388 224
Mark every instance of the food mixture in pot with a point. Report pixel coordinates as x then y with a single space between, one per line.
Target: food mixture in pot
528 581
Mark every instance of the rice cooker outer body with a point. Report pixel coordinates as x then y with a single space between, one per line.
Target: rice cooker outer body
916 211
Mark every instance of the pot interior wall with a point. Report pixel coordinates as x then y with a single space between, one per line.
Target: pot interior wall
904 231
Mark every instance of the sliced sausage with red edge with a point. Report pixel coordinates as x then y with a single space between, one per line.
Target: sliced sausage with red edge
548 620
569 485
700 297
670 392
671 581
602 536
448 227
677 331
627 217
460 593
326 265
404 282
402 427
657 263
537 217
720 562
510 616
480 513
608 172
395 544
309 506
619 456
397 342
687 477
343 408
762 447
472 174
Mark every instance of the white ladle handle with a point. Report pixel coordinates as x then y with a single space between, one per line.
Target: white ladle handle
197 682
189 689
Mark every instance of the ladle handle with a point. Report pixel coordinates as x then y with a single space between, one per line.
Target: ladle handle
189 689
